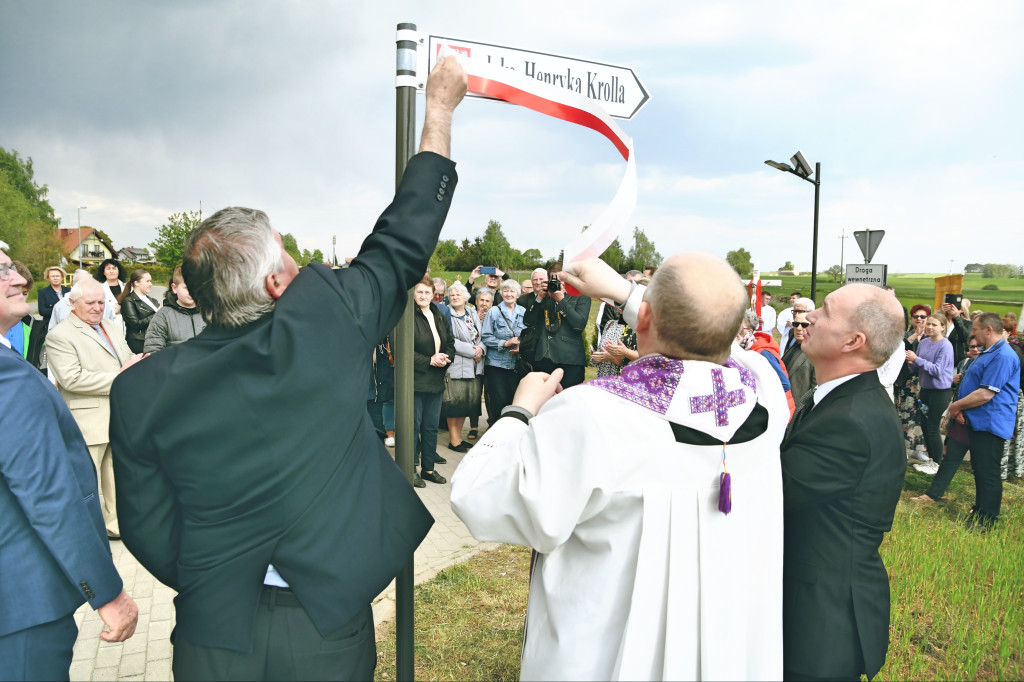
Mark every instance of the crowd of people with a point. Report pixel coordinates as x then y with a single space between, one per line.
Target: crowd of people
710 507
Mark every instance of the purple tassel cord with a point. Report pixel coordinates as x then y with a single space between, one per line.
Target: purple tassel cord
725 493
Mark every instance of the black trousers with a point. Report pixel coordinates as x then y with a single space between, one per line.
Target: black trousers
986 454
501 387
937 400
42 652
574 374
286 646
955 452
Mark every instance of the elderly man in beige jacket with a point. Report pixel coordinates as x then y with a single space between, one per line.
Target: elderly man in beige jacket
86 352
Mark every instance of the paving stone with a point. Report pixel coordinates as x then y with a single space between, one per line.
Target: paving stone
132 664
160 631
108 655
81 669
160 612
103 674
158 671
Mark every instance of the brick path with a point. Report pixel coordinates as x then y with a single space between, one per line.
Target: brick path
147 655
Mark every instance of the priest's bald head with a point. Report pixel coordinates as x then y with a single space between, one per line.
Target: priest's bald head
691 309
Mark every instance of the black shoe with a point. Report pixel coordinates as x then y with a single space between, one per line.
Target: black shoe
438 459
462 447
434 477
417 482
472 434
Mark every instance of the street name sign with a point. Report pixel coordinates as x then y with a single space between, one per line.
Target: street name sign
616 88
868 241
867 273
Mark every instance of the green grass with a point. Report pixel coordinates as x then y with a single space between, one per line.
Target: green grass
469 620
957 599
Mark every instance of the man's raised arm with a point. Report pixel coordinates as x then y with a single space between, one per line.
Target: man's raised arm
446 86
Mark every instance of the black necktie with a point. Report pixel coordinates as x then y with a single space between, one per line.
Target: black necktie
806 403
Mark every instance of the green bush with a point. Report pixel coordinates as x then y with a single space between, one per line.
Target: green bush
990 287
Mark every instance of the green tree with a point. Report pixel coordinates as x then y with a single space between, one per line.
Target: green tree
317 256
291 246
21 177
835 272
740 262
532 258
445 255
788 266
642 254
494 247
170 237
614 256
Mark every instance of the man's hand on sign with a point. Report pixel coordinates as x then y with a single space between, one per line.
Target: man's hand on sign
595 278
446 85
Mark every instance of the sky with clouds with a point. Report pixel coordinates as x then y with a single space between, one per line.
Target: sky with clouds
139 110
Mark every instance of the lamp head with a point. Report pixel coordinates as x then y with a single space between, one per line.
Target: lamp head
780 166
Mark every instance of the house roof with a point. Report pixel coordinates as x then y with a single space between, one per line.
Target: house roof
69 238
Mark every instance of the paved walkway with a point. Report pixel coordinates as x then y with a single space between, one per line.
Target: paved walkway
147 655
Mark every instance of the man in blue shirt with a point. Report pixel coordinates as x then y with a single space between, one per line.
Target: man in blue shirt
988 408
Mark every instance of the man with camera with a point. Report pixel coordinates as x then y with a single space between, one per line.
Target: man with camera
554 328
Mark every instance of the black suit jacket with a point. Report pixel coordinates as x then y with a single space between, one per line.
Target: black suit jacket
568 318
48 298
842 472
252 452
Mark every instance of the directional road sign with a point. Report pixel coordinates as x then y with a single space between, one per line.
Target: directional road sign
868 241
868 273
616 88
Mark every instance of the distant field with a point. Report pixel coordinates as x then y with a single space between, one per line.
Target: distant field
911 289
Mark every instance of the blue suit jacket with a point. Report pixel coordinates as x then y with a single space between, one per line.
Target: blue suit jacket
54 553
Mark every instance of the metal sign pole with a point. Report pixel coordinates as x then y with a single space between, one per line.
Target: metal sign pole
402 341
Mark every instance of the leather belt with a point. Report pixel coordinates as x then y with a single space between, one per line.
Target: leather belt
274 596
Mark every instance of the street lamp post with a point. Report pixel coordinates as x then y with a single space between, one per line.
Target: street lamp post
80 209
802 170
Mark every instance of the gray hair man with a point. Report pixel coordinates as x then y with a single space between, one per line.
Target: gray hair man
50 518
843 464
624 487
253 477
85 353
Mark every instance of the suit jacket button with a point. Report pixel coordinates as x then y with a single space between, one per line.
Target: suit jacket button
441 190
444 178
440 198
444 184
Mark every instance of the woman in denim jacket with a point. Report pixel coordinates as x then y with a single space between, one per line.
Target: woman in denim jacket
502 328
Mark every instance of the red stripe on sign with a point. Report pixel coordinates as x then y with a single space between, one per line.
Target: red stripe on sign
565 112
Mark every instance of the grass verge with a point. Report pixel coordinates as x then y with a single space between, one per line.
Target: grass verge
469 620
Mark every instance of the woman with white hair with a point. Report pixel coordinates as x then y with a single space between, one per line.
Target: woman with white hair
484 300
502 327
462 388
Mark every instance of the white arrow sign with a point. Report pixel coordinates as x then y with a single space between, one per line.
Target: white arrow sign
616 88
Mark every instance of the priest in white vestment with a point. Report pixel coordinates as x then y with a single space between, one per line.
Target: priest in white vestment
659 551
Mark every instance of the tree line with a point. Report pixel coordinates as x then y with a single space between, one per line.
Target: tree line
493 248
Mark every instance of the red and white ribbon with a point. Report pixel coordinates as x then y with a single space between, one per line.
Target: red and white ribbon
567 105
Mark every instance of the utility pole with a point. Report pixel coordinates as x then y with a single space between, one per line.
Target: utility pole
842 253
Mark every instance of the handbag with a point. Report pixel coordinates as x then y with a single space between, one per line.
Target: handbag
522 366
944 422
